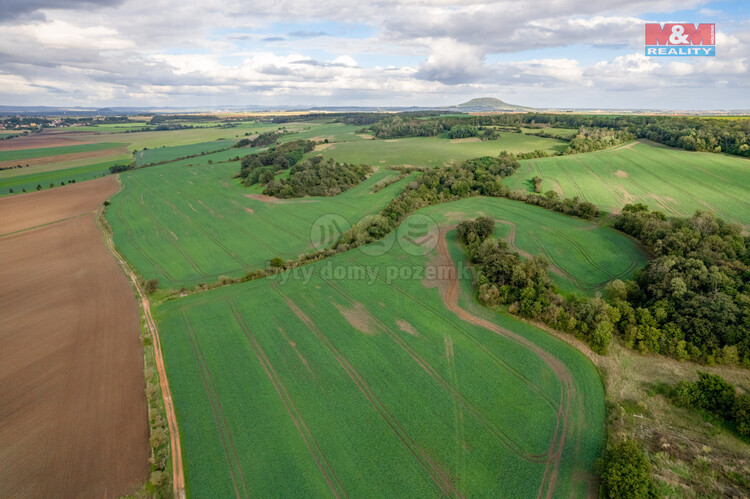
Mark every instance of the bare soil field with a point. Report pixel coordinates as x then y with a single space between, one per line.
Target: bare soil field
41 140
45 160
24 211
73 418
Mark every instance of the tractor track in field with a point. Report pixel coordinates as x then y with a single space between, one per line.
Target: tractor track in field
227 442
702 184
324 465
178 475
169 240
208 236
499 362
438 476
452 391
567 389
129 235
450 298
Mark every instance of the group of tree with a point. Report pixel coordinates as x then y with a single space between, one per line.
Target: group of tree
462 131
524 286
717 398
552 201
318 177
594 139
693 299
262 140
261 167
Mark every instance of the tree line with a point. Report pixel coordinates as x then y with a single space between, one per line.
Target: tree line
691 133
504 278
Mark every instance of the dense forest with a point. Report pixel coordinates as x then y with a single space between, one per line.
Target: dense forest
318 177
693 299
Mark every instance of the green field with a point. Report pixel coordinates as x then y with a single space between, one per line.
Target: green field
320 130
155 139
674 181
584 257
116 158
164 153
54 151
189 224
434 151
111 127
29 182
360 383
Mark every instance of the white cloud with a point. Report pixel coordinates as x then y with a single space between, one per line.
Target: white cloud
183 53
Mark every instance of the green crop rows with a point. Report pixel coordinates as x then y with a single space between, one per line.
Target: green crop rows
164 153
674 181
54 151
337 377
189 224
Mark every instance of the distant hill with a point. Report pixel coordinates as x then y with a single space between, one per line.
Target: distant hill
485 104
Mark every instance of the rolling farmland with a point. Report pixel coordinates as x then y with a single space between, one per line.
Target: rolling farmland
370 383
674 181
189 224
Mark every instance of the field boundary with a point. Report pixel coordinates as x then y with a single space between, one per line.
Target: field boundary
178 476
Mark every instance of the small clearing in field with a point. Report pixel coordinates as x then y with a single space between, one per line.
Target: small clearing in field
365 136
249 210
359 318
406 327
621 174
323 147
465 140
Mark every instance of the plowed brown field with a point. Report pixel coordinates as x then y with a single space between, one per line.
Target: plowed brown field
73 418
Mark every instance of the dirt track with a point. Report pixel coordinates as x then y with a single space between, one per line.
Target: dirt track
450 291
73 420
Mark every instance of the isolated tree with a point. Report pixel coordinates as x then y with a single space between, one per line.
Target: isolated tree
151 286
38 187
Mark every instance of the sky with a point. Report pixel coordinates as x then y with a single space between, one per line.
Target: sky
220 53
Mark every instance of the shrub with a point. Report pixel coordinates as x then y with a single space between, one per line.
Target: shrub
151 286
277 262
626 472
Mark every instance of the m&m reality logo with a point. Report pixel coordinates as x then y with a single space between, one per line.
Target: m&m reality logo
680 39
